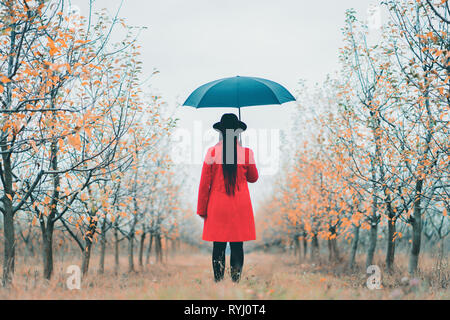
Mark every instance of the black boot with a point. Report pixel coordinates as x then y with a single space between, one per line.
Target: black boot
236 260
218 260
236 274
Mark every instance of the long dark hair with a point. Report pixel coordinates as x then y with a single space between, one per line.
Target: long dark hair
229 169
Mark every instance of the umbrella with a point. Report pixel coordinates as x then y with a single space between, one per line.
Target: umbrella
238 92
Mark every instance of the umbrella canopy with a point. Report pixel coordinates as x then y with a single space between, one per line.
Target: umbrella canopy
238 92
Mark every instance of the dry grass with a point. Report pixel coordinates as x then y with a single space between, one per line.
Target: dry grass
266 276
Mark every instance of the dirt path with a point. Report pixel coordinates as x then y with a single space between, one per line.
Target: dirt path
266 276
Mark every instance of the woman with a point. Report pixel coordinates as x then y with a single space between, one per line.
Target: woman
223 198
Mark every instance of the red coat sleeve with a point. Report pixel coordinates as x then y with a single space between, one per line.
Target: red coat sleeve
205 184
252 172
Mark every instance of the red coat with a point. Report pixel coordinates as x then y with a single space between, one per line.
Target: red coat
229 218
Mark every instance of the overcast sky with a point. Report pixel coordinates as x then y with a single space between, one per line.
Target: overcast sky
197 41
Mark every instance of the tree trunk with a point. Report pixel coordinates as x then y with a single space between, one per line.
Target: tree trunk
131 254
355 240
390 252
160 245
374 218
158 248
314 247
101 269
116 251
330 251
86 258
9 245
333 253
297 247
305 245
141 249
441 251
440 263
372 243
335 249
88 246
416 229
47 230
149 249
7 181
47 242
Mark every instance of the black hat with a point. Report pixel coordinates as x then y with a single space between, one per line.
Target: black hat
229 121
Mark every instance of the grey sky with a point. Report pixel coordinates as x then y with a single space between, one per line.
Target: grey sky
197 41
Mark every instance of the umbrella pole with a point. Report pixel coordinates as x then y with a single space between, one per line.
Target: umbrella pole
240 140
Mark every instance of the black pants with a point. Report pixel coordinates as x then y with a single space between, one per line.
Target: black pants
236 260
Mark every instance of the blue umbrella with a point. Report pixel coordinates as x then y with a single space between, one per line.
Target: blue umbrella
238 92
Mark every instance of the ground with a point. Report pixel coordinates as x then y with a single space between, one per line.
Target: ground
266 276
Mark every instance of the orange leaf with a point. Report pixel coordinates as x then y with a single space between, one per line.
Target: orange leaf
74 140
4 79
53 48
